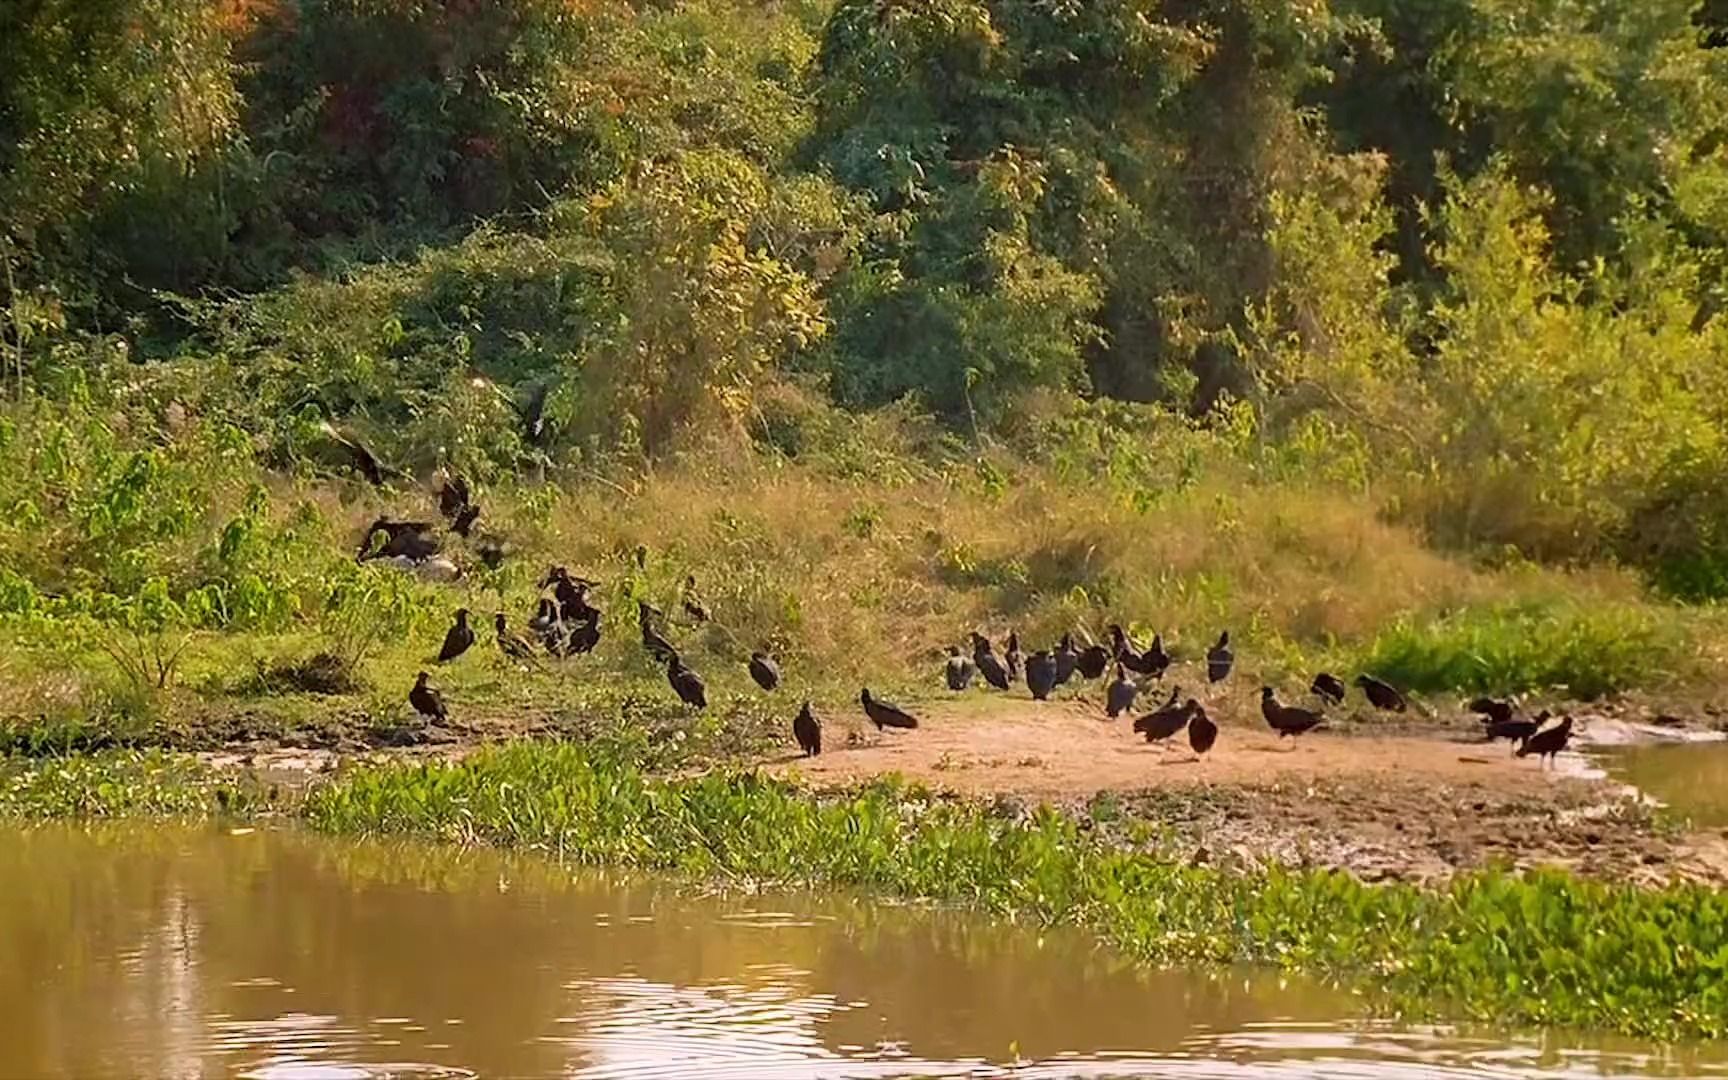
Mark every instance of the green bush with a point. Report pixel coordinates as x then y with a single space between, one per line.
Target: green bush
1584 650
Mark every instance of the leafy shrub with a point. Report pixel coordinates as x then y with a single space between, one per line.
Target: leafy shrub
1586 650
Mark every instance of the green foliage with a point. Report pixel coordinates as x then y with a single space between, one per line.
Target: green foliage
113 784
1538 949
1583 650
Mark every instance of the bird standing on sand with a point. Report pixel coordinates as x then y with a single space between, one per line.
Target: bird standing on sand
765 671
1328 688
883 714
1066 659
1156 661
988 666
1092 661
1202 732
1514 730
1287 720
426 701
959 670
1119 698
457 639
1548 742
808 731
1493 710
1382 695
686 683
1219 658
1041 674
1129 656
1162 723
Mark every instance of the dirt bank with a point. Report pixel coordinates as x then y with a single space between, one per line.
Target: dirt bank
1421 802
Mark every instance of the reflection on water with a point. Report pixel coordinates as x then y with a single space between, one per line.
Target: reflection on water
279 956
1692 778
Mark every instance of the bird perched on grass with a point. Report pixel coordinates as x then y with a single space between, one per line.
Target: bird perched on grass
1328 688
571 595
457 639
1219 658
1493 710
546 626
510 643
652 640
457 505
764 670
1382 695
883 714
984 656
402 539
692 601
686 683
427 701
808 731
958 670
1165 721
583 638
1287 720
1041 674
1548 742
1119 698
1066 659
1202 732
1012 657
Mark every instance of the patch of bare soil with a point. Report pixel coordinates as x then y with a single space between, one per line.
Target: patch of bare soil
1420 803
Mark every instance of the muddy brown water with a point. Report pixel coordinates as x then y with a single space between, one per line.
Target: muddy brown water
155 952
1690 778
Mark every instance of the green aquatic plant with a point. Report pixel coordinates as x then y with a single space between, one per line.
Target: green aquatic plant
119 783
1544 948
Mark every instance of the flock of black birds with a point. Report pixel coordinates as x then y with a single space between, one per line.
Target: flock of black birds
566 623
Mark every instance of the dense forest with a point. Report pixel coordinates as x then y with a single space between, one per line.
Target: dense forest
1457 264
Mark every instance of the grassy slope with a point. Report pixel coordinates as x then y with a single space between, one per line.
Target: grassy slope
857 580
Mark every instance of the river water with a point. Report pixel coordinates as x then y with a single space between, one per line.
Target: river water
1691 778
152 952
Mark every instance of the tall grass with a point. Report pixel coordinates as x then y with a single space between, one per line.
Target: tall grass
1584 649
1545 949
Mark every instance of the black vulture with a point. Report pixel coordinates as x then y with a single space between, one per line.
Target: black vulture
1041 674
458 638
686 683
1381 695
764 670
808 731
426 701
1219 658
1328 688
1120 696
1286 720
883 714
958 670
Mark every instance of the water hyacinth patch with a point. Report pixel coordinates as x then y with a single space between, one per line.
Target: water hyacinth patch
1545 948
